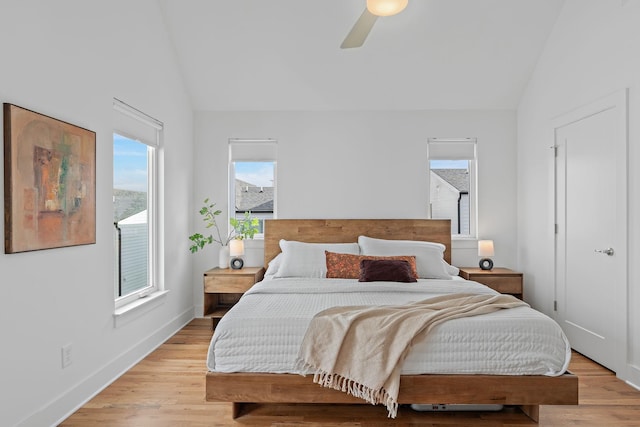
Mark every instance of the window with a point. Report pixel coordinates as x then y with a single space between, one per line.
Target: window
452 183
252 179
136 140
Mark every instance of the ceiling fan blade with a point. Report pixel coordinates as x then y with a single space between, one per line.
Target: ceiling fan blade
360 30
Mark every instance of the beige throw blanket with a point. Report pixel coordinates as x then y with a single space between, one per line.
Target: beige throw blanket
360 350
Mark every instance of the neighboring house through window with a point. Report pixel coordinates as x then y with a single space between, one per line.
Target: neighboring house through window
452 183
136 141
252 178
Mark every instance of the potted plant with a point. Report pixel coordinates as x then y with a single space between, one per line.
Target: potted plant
244 228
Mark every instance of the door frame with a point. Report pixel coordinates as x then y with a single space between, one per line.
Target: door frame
617 101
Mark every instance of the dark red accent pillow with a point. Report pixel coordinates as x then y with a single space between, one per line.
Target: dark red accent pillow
385 270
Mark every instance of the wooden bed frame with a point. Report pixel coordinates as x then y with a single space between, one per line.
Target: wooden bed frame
528 392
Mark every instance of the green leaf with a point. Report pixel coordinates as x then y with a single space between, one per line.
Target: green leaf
209 218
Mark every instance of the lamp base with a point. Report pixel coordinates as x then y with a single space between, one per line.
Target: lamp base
236 263
486 264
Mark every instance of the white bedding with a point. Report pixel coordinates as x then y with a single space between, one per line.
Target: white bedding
263 331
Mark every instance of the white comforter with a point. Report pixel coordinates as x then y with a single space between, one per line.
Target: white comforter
263 332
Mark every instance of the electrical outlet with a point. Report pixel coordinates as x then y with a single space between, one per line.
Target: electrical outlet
66 355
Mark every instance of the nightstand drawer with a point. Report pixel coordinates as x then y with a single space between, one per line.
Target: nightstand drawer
504 285
503 280
223 287
228 284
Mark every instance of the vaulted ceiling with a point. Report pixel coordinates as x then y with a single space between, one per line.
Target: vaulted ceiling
285 54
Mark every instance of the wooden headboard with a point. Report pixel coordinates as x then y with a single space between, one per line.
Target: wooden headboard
348 230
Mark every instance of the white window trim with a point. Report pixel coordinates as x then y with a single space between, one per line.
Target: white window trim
131 311
155 288
231 176
461 239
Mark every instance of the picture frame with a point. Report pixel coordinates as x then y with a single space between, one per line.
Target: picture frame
49 182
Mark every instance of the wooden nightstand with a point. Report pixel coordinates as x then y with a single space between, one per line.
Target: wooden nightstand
223 287
502 280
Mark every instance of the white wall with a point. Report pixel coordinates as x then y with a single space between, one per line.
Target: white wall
68 59
363 164
592 52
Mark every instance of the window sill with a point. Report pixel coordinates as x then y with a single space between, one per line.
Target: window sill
127 312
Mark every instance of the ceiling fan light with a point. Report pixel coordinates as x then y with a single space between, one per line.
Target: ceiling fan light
386 7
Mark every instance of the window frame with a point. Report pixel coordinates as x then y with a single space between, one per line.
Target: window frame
473 179
268 155
135 125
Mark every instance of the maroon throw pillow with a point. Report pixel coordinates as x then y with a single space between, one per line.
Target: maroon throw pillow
379 270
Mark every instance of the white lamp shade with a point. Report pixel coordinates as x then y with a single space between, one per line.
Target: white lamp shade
236 248
386 7
485 248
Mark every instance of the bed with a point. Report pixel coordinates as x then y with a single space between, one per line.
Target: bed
493 374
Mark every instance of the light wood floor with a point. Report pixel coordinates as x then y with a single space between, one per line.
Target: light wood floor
167 389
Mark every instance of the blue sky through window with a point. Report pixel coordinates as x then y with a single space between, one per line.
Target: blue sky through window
129 164
256 173
449 164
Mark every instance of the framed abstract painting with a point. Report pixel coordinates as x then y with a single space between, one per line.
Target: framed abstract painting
49 182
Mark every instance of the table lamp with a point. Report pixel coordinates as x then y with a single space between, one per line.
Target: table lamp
236 250
485 249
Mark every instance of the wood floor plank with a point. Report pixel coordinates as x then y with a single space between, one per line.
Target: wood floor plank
167 389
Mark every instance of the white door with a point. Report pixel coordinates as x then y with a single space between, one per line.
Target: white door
591 206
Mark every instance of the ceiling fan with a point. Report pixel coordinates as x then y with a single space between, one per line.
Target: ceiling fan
364 24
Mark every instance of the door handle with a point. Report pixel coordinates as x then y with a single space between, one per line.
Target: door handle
608 251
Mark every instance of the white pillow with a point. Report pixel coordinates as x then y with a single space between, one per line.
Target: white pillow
302 259
452 270
274 265
429 255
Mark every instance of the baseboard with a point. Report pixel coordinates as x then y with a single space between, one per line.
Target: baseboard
633 376
62 407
